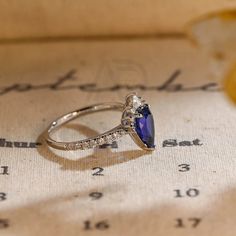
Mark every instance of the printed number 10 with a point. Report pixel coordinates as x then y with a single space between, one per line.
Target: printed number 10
192 192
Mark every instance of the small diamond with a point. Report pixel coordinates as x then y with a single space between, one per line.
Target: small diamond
78 145
71 146
96 141
136 102
100 141
125 122
105 139
85 145
132 124
122 132
129 113
92 143
114 136
108 139
117 135
132 110
133 101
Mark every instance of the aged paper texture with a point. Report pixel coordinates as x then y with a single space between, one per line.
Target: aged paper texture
185 187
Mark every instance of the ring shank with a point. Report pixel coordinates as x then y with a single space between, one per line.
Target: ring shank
82 144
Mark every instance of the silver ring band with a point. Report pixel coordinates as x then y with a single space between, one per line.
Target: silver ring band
127 126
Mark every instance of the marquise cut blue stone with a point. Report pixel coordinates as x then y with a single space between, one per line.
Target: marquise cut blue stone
144 126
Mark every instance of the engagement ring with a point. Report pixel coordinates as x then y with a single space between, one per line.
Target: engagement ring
136 120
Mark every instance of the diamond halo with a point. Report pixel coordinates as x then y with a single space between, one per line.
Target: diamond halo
137 119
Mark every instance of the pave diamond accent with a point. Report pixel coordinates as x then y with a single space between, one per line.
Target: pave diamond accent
107 138
85 145
92 143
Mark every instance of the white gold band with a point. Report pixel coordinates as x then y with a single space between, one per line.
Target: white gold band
136 120
104 138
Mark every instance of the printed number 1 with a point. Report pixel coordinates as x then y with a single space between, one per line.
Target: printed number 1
4 170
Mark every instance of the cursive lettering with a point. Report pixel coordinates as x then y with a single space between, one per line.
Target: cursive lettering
170 85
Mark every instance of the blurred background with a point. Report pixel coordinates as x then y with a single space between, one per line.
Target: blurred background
210 24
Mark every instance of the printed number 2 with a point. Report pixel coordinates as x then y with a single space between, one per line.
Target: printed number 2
194 222
98 172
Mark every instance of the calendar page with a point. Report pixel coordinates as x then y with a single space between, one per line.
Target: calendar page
185 187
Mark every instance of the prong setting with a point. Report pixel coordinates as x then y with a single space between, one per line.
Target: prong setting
136 120
131 114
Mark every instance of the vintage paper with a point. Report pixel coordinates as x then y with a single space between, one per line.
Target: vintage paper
40 19
185 187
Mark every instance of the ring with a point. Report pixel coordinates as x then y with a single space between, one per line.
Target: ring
136 120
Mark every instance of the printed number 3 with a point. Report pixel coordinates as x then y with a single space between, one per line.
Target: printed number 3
184 167
3 196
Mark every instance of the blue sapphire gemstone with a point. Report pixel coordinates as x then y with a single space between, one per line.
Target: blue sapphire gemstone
144 126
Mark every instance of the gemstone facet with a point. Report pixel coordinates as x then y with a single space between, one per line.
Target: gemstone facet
144 126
